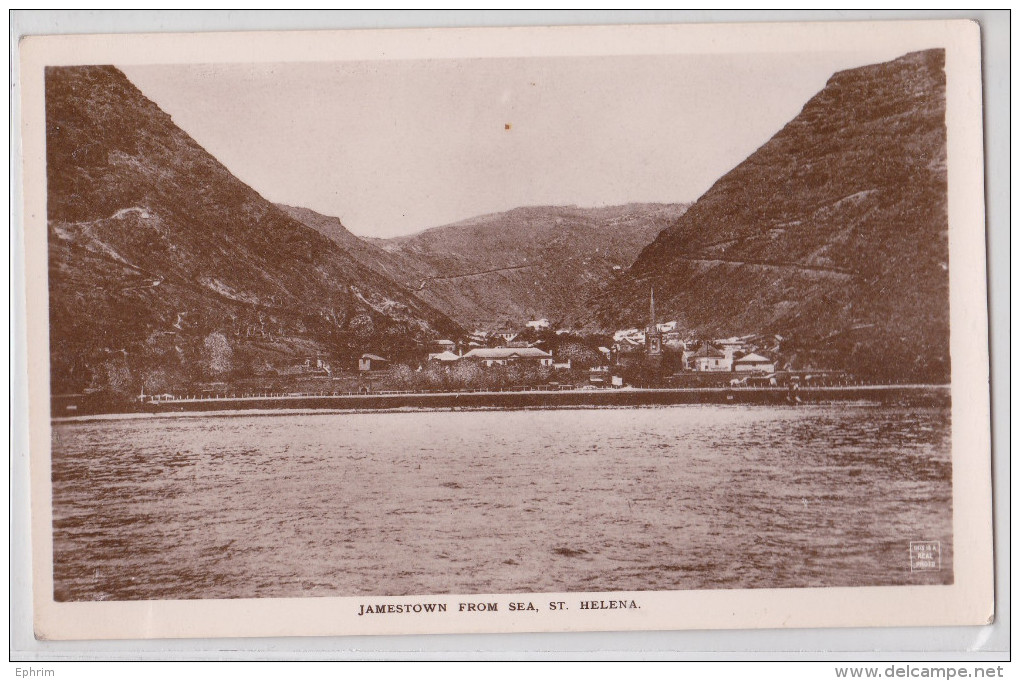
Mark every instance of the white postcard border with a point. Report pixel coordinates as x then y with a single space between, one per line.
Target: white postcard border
967 601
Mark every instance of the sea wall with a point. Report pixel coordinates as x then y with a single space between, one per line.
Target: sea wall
921 395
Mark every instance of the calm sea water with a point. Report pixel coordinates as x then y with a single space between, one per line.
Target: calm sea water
687 497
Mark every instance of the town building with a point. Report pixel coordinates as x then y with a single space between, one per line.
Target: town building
444 345
673 339
502 356
506 335
538 324
599 376
627 351
710 358
731 347
369 362
635 336
444 357
756 363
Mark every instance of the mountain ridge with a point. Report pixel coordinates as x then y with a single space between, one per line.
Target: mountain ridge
165 269
157 253
833 233
506 268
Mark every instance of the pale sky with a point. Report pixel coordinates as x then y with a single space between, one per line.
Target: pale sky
394 147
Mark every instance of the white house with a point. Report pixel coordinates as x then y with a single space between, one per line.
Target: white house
443 357
507 335
538 324
491 356
754 362
710 358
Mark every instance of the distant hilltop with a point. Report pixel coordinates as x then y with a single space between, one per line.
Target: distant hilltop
511 267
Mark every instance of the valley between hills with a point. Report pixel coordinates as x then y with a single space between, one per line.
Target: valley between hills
828 246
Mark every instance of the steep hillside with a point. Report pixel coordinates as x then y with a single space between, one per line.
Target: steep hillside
519 265
405 271
166 269
833 233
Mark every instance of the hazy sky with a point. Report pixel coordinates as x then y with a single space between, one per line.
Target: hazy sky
393 147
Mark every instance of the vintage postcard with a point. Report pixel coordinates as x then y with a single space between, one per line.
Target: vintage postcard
497 330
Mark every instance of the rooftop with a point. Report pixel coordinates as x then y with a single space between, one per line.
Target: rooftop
752 357
507 353
707 350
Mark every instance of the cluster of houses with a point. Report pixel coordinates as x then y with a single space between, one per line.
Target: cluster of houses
511 353
500 347
751 354
446 353
735 354
738 353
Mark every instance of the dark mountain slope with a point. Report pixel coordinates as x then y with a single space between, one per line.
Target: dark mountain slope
833 233
510 267
165 268
366 251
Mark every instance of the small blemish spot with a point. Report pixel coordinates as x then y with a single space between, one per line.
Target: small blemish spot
506 126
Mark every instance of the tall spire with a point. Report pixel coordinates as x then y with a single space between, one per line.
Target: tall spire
651 308
653 339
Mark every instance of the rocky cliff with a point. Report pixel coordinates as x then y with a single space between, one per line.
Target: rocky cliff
833 234
166 269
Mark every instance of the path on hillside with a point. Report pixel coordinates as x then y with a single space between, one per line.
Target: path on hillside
778 264
478 274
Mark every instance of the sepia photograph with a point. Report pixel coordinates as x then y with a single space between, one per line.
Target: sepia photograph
511 337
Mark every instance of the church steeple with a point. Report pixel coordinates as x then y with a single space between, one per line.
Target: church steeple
651 308
653 339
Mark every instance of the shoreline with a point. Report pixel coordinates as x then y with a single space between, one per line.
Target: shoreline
919 394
